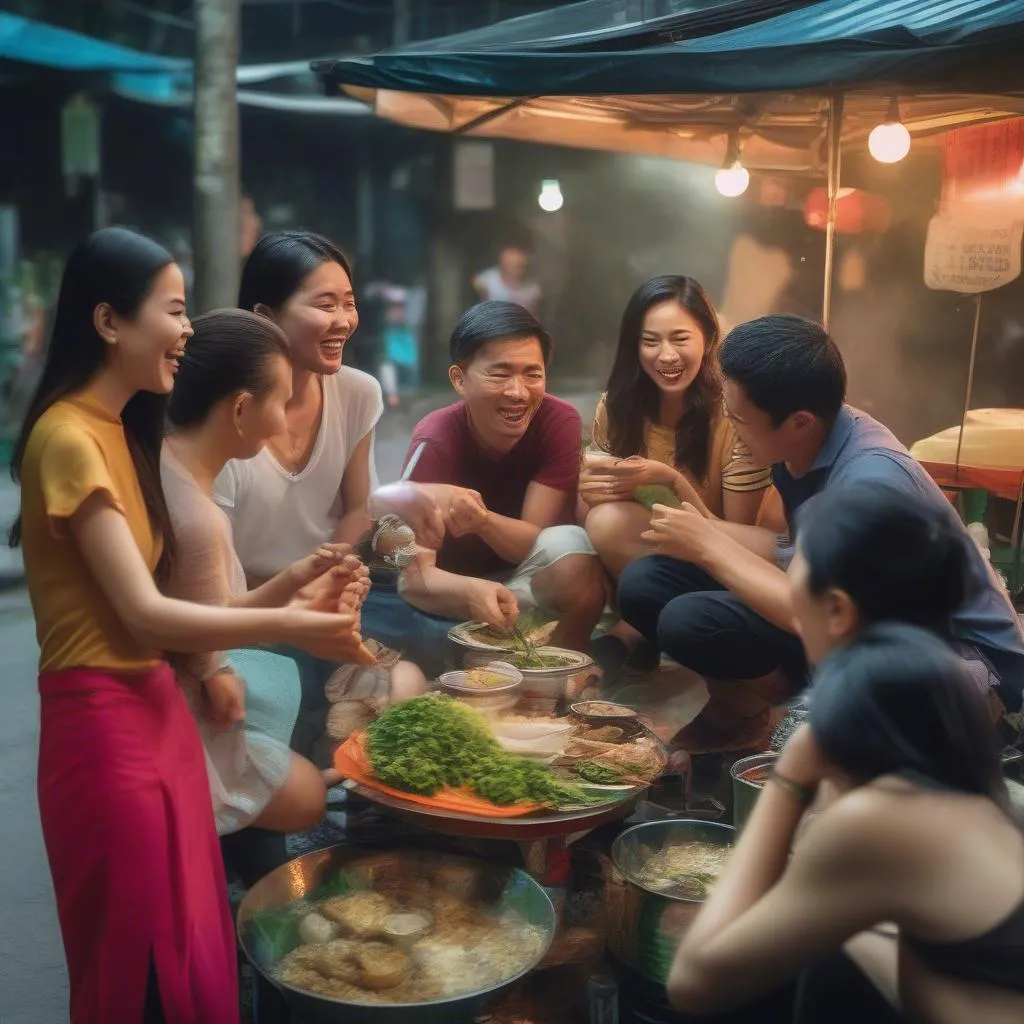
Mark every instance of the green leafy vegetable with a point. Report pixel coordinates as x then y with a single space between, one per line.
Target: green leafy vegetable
650 495
600 774
534 659
424 744
273 933
506 779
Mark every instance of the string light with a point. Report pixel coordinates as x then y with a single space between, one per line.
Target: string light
889 142
732 181
733 178
550 199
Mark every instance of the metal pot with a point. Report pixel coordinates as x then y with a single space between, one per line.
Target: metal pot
539 684
646 927
745 792
461 645
266 931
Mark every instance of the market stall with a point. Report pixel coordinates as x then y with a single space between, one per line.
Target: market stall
774 90
740 86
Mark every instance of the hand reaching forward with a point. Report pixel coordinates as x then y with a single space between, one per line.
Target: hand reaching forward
682 533
342 587
467 513
312 567
494 604
330 636
416 506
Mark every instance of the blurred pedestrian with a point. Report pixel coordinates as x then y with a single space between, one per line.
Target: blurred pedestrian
509 280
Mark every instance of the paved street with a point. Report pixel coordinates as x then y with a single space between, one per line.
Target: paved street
33 986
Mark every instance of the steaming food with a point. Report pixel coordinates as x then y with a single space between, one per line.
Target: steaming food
362 914
315 928
450 946
684 870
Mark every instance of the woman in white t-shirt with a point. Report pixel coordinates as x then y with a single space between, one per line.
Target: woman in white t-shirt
311 483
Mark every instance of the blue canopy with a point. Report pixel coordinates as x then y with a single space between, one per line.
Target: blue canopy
33 42
932 45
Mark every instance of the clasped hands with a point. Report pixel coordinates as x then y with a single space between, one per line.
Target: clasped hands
611 479
432 511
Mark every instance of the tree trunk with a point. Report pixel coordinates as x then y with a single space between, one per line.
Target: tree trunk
217 216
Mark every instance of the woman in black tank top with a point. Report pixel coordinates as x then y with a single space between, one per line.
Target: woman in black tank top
912 836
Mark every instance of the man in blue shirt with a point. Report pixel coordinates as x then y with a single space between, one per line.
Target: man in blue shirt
716 598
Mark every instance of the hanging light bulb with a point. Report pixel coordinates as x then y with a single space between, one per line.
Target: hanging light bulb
550 199
889 142
733 178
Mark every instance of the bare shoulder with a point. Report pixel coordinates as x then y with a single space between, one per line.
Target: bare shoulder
901 826
871 827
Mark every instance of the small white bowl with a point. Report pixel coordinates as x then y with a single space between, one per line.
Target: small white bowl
458 682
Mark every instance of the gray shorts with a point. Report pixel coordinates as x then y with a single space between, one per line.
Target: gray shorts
551 546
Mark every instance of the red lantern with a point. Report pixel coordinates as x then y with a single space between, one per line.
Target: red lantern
856 211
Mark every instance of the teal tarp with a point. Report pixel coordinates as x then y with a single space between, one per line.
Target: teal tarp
33 42
937 45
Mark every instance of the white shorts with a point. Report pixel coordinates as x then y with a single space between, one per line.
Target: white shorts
551 546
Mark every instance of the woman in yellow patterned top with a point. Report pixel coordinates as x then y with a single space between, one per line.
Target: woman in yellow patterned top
661 423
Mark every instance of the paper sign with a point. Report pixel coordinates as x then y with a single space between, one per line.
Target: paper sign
474 176
969 258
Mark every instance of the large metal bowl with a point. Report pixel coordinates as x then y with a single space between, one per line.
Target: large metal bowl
647 926
265 939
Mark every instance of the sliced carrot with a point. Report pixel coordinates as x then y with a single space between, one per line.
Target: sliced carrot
352 760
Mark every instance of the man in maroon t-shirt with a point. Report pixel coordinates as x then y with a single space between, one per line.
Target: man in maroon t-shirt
503 465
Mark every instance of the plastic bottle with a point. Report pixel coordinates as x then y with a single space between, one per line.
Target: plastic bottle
602 999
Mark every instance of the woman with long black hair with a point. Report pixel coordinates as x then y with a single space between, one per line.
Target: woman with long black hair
123 793
312 482
902 760
229 397
660 422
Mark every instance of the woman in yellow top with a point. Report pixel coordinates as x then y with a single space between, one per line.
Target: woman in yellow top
123 794
661 423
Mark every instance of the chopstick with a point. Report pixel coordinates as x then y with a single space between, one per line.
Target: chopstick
411 464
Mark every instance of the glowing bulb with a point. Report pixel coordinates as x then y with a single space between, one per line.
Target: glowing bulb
889 143
732 181
550 199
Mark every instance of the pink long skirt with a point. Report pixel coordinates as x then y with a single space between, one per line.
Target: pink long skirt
132 845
